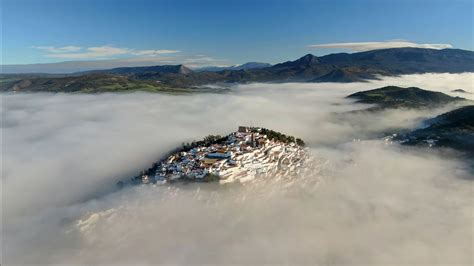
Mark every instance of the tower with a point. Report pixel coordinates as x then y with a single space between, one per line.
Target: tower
253 140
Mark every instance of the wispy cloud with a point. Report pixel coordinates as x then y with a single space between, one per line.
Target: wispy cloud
154 52
366 46
92 52
52 49
98 52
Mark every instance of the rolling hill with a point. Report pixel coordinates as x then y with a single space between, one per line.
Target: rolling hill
454 129
395 97
90 83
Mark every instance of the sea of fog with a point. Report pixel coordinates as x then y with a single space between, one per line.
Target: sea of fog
368 202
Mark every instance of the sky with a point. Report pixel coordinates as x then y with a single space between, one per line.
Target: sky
212 32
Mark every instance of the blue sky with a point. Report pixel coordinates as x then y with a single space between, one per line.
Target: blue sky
220 32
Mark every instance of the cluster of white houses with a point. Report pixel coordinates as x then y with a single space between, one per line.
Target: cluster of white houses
242 156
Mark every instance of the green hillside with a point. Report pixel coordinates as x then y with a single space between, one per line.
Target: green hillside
394 97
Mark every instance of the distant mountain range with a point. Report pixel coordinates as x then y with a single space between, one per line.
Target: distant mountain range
341 67
246 66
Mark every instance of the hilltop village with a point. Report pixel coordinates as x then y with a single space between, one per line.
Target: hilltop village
240 156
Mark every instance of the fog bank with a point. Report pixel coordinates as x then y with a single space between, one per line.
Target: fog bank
370 202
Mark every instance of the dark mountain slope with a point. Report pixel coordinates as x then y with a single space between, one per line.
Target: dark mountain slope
406 60
308 60
350 74
453 129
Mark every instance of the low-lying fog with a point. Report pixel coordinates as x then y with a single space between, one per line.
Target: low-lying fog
370 202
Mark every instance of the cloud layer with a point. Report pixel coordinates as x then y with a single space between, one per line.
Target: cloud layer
366 46
64 153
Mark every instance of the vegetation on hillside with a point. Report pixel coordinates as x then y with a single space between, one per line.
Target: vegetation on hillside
393 97
89 83
454 129
277 136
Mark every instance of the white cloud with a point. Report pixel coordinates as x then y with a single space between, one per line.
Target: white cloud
92 52
366 46
52 49
98 52
154 52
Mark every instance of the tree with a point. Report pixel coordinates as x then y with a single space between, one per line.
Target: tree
300 142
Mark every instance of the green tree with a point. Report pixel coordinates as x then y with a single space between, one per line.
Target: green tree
300 142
